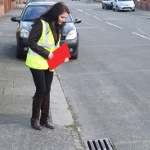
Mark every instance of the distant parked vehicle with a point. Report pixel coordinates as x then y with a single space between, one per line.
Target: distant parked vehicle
123 5
107 4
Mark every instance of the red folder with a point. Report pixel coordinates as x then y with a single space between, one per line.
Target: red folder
59 56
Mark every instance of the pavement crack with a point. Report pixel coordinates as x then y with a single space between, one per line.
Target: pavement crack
3 90
13 84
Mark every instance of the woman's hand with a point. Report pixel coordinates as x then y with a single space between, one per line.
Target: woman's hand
66 59
50 56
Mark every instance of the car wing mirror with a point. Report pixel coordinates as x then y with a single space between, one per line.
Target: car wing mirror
15 19
77 21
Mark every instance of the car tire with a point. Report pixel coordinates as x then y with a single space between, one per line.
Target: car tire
18 55
113 9
102 7
133 9
117 8
75 56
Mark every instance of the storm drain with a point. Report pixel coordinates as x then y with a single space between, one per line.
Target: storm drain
99 144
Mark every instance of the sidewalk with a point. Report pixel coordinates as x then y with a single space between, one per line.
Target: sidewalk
16 91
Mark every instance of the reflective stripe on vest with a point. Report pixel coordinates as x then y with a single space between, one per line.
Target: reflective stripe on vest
46 40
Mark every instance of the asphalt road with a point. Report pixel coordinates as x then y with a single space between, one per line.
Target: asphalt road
108 86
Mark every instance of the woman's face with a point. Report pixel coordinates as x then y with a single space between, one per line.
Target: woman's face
62 18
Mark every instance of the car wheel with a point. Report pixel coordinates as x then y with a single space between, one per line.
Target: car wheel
117 8
133 9
75 56
102 7
18 55
113 9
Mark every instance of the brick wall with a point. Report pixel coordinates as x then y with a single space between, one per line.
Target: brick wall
148 5
6 5
142 4
13 4
21 1
1 10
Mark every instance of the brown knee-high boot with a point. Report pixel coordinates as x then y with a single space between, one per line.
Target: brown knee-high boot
45 120
36 106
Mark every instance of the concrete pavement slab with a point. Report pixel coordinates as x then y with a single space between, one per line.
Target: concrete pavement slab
22 137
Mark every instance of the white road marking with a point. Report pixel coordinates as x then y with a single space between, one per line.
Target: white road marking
97 18
88 14
114 25
141 35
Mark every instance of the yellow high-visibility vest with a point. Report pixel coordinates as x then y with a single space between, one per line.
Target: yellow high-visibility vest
46 40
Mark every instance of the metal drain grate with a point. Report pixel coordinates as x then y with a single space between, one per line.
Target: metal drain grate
99 144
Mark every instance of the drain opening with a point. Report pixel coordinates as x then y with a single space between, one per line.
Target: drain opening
99 144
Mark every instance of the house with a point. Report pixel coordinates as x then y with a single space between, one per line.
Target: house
21 1
142 4
6 5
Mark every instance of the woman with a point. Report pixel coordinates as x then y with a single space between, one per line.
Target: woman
44 38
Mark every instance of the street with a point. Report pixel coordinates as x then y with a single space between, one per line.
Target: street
108 86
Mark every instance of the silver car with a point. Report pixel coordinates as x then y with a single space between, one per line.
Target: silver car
123 5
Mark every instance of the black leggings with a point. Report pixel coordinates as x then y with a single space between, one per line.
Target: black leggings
42 80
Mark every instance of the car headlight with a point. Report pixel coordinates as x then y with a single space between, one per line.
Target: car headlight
24 33
71 35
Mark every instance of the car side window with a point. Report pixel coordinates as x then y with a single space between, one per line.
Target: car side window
68 19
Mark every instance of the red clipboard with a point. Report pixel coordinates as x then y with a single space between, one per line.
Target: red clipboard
59 56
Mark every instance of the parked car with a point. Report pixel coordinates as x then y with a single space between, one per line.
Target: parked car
107 4
34 10
30 1
123 5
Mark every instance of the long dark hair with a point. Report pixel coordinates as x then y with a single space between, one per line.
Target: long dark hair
53 13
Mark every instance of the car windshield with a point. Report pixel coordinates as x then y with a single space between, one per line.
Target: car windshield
36 11
124 0
29 1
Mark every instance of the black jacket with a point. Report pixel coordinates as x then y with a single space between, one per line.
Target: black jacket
35 35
